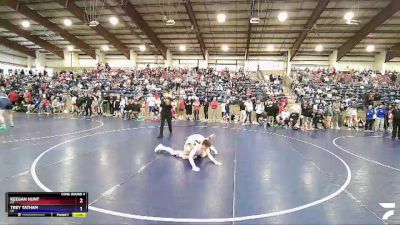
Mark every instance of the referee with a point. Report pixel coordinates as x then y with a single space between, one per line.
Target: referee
166 114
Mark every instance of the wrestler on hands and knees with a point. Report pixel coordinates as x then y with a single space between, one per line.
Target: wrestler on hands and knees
195 146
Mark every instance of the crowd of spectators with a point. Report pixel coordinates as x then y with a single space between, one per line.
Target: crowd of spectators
353 99
321 99
137 94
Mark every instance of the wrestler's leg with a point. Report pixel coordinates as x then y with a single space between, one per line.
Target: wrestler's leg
11 118
2 120
170 150
186 151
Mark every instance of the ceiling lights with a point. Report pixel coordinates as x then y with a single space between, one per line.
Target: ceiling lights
270 47
105 48
114 20
182 48
142 48
282 16
225 48
67 22
319 48
370 48
348 16
255 12
221 18
93 23
255 20
70 48
25 24
170 22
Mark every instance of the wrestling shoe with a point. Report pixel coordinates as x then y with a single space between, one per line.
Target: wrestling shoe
158 148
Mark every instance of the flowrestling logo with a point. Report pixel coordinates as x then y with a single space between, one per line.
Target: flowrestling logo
390 212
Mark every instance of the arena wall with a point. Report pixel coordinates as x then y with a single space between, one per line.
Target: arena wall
275 64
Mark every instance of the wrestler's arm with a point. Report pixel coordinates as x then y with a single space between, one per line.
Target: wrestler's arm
209 155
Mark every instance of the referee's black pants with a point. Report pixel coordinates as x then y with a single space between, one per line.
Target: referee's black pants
88 110
396 130
167 117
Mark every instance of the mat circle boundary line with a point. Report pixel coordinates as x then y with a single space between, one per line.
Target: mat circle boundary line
197 220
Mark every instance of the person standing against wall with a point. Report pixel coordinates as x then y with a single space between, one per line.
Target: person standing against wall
189 108
396 122
5 106
196 106
166 114
214 106
181 108
259 110
206 105
335 115
228 111
369 119
88 105
242 108
151 101
223 103
249 110
380 117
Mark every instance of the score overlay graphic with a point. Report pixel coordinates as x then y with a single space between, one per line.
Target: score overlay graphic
43 204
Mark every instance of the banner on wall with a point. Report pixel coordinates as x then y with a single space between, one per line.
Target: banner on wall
309 66
9 69
229 67
265 65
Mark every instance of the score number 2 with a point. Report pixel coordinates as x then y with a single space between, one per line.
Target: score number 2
81 202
